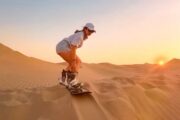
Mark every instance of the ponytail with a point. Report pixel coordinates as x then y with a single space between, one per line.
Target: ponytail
77 31
85 36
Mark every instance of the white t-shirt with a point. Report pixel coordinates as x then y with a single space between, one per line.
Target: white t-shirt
76 39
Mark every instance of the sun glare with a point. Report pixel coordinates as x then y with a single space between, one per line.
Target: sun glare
161 62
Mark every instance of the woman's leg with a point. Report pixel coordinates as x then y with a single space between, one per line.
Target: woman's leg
73 65
78 63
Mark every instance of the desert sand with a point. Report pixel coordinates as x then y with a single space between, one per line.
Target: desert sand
29 90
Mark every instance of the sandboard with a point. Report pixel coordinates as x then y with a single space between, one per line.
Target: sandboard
79 91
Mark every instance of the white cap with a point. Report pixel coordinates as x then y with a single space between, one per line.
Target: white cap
90 26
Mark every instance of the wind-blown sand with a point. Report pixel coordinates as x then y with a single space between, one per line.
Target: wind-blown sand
29 90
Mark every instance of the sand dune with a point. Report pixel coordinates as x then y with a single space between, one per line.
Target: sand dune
29 90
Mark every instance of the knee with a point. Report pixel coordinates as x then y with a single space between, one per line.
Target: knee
78 60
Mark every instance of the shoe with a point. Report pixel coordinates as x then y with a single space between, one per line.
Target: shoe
63 79
75 83
72 81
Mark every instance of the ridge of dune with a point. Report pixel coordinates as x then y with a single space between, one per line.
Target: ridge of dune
25 71
174 61
173 64
8 54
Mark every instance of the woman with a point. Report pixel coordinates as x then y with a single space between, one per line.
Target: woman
67 50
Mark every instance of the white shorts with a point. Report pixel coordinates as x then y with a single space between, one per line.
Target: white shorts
62 46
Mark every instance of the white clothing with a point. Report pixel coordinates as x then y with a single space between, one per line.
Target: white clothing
76 39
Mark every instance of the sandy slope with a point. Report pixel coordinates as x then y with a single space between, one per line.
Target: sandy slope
29 90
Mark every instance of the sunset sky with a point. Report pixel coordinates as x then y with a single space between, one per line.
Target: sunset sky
128 31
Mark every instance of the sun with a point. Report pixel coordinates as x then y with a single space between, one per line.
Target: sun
161 62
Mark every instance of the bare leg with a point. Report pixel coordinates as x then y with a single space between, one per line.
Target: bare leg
73 67
78 63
